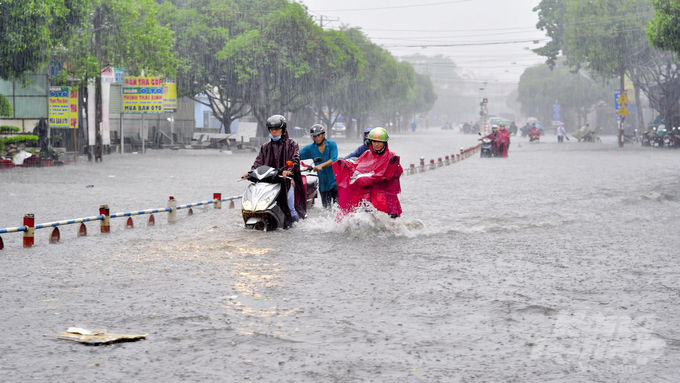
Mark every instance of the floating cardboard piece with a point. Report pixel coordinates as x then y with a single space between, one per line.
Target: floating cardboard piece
97 337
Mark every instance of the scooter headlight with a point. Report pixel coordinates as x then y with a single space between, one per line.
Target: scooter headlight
262 205
247 205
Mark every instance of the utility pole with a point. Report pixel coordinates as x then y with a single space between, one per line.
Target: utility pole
483 112
327 20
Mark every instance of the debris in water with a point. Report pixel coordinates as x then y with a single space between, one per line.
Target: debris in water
89 186
97 337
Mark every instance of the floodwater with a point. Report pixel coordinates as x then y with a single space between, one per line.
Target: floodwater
559 263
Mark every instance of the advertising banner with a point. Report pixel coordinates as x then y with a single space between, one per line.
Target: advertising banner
59 107
74 108
143 95
170 96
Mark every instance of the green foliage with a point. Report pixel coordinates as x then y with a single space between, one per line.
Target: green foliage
540 87
605 34
286 61
5 106
221 29
30 30
664 30
9 129
120 33
550 19
17 140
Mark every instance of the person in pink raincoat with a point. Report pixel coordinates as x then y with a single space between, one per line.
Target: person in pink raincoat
374 177
502 140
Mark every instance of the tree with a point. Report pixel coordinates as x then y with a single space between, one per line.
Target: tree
119 33
664 29
332 84
381 81
5 107
211 25
550 19
282 64
606 36
577 93
31 29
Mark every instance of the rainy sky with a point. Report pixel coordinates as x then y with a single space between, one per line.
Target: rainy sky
405 26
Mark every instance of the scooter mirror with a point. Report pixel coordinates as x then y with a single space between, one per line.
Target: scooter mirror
317 159
289 164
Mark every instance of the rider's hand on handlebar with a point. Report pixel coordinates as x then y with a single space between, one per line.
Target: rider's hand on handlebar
286 173
245 176
317 168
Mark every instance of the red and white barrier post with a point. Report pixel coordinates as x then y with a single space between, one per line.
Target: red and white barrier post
106 222
172 214
29 222
422 164
217 198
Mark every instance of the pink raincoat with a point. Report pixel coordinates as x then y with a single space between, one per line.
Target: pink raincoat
502 141
374 178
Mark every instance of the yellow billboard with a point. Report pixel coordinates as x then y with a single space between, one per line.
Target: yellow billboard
59 107
143 95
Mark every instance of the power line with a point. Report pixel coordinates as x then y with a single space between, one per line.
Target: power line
446 30
395 7
417 38
465 44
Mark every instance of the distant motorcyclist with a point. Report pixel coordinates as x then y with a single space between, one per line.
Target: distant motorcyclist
513 128
502 140
493 136
534 132
526 129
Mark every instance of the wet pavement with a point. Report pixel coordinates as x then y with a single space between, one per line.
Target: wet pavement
558 263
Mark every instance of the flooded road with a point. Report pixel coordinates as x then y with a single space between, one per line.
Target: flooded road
556 264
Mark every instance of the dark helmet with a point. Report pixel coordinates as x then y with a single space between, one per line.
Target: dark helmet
277 121
367 130
316 130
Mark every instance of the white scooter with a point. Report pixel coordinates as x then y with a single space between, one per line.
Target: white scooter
259 207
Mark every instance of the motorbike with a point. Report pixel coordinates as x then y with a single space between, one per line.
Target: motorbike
671 139
534 137
486 151
311 179
259 207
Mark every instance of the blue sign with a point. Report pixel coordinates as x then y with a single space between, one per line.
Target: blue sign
557 113
120 75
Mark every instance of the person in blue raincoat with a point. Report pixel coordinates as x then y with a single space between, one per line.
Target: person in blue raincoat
361 149
328 151
414 125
